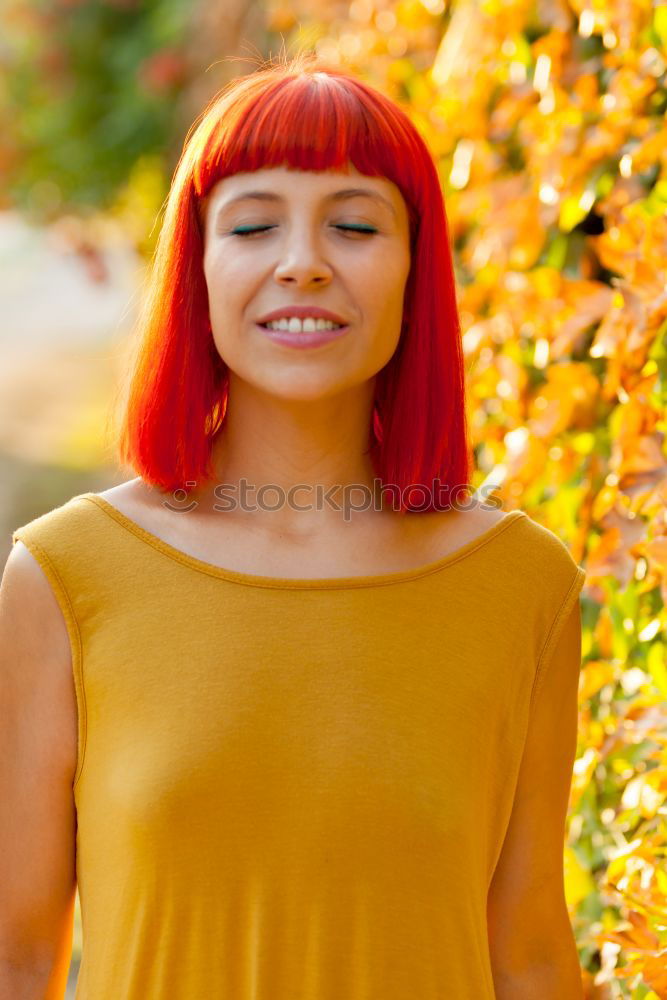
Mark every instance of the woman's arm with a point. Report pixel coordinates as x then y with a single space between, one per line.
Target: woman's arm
533 951
37 764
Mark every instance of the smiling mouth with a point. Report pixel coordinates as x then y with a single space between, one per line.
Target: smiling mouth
304 338
287 329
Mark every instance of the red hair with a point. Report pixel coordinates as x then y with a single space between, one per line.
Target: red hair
308 117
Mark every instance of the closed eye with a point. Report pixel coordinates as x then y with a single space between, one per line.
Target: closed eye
363 230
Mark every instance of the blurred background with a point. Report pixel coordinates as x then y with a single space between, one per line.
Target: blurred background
547 122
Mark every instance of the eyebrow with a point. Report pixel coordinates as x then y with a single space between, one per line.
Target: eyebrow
335 196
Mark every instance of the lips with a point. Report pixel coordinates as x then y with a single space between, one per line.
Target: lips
302 312
301 340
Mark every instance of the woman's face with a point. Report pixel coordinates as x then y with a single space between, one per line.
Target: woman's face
308 243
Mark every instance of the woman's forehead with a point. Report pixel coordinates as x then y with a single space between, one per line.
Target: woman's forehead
283 178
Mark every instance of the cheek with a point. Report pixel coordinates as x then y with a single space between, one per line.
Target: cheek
383 290
383 274
225 274
226 341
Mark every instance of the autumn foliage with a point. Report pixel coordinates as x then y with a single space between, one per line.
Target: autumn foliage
547 121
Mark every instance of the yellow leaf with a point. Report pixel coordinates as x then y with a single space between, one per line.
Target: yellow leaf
578 880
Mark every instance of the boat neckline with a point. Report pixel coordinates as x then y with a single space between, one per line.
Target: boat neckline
303 583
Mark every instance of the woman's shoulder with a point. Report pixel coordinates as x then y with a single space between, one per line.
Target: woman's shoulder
131 495
525 552
68 534
543 560
55 522
545 545
75 509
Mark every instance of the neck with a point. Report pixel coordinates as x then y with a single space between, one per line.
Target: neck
290 464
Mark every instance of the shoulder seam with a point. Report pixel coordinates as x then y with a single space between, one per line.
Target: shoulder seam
74 632
552 635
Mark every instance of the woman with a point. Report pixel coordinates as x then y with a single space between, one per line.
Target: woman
293 734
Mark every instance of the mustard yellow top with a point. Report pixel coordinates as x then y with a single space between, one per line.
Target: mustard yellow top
295 789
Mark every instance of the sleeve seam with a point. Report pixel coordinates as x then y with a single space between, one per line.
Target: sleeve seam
554 631
74 633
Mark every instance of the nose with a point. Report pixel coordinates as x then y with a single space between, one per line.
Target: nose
302 263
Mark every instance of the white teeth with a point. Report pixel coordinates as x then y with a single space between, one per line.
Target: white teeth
308 325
